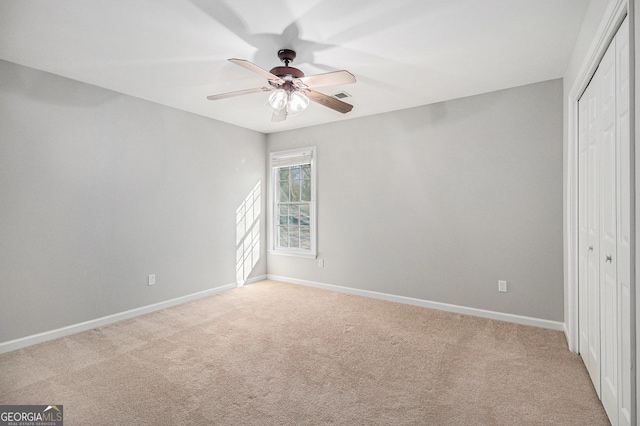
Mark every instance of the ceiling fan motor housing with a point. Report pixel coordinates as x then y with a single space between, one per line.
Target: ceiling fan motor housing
284 72
286 56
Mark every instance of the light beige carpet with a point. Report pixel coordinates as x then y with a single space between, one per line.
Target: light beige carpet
280 354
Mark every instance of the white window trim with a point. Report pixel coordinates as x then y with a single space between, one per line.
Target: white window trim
311 253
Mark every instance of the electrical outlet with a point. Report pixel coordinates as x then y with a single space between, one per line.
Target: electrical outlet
502 286
151 279
321 263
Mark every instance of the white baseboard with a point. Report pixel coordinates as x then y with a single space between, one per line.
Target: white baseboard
500 316
254 280
12 345
565 329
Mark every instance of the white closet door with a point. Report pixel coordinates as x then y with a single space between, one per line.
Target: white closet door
623 249
593 232
584 250
608 236
604 253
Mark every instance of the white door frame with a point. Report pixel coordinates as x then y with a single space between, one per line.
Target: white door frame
613 17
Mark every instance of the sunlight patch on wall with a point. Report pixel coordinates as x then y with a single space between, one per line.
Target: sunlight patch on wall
248 234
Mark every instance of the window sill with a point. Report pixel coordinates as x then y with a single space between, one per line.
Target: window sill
304 255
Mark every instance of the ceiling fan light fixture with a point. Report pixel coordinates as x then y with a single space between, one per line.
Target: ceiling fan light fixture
298 102
278 99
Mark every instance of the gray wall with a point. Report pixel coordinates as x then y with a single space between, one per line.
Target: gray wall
98 190
440 202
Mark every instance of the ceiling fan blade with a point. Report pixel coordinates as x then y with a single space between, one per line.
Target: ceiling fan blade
328 79
329 101
238 93
279 116
253 67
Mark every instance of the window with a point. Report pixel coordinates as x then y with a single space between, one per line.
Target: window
293 229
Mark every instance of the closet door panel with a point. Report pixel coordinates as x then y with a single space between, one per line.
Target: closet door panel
623 263
608 237
593 231
583 227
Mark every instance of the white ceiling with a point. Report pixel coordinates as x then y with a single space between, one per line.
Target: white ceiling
404 53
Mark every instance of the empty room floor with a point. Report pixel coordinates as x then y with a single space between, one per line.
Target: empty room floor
278 353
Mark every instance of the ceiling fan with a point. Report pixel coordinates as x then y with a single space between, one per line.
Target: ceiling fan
291 89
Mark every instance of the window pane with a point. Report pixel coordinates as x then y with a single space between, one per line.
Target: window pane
284 173
283 236
284 191
284 214
305 191
295 190
294 215
294 236
305 237
304 214
295 172
306 171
